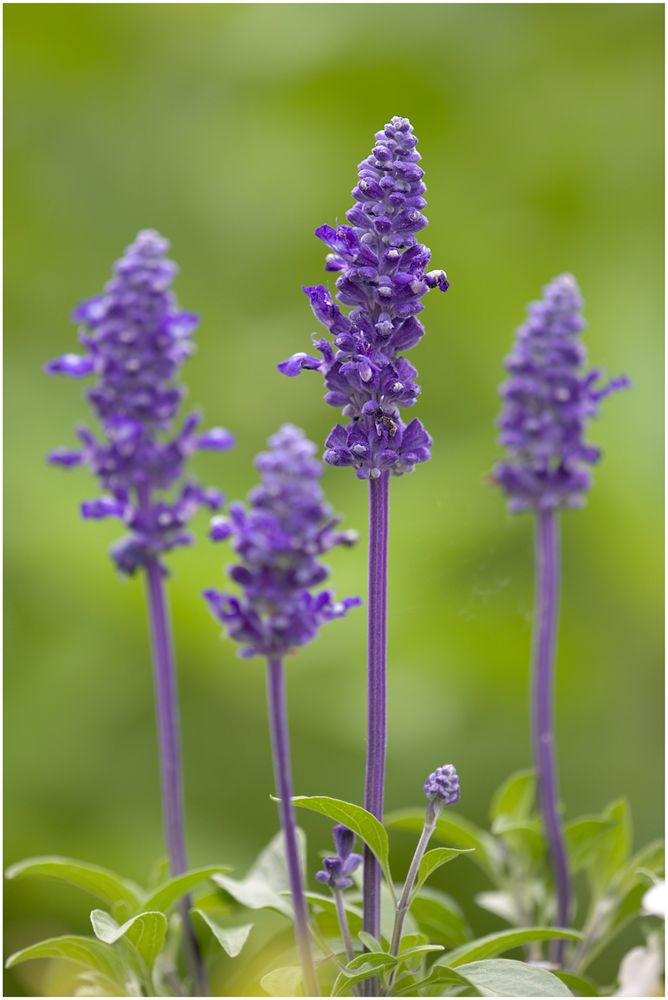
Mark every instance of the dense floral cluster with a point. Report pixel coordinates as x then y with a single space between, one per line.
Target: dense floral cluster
382 276
279 539
547 403
443 784
336 870
135 340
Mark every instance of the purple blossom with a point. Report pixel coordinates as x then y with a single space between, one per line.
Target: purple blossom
548 401
280 537
443 784
336 870
135 340
382 276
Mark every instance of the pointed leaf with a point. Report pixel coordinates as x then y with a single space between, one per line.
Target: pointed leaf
454 831
357 819
504 977
146 932
434 859
83 951
266 880
613 850
100 882
496 944
515 798
170 892
583 838
230 939
362 967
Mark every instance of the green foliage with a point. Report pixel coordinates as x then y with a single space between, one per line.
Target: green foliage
496 944
504 977
230 939
435 859
86 952
357 819
267 880
137 956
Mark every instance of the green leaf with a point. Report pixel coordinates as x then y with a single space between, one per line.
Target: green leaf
583 838
496 944
266 880
369 941
581 985
362 967
357 819
515 799
146 932
283 982
453 831
100 882
439 976
417 951
434 859
170 892
230 939
83 951
613 850
504 977
440 918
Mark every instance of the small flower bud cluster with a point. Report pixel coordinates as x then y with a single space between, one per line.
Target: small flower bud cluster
336 870
280 538
382 276
443 784
135 340
548 401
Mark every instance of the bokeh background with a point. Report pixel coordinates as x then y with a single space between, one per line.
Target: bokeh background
235 130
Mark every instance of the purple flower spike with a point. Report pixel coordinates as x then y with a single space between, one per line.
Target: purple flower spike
279 538
443 784
136 339
337 870
382 276
548 401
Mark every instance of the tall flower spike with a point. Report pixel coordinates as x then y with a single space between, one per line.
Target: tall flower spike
382 276
280 538
548 400
135 340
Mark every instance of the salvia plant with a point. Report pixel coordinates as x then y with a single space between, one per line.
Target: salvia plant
562 890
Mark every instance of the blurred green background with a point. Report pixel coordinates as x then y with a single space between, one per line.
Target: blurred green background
235 130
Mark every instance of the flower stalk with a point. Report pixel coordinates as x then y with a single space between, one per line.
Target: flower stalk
374 792
544 650
278 719
548 400
169 742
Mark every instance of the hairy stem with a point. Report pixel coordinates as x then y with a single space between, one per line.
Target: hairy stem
169 740
404 903
343 924
544 647
374 790
281 751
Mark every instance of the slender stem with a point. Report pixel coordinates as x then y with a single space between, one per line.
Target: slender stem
281 750
169 739
374 791
544 647
343 923
404 903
